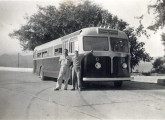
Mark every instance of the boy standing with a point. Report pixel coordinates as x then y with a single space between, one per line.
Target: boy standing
76 72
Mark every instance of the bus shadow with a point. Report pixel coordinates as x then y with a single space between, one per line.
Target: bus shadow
129 85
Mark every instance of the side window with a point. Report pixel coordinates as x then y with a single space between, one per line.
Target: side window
44 54
71 47
58 51
73 44
38 55
65 44
76 45
50 51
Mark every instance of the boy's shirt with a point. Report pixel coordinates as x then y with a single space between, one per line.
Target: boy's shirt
76 61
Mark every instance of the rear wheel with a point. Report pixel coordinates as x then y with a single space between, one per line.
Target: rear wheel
41 74
118 83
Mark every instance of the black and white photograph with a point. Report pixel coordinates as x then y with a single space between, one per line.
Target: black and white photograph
82 59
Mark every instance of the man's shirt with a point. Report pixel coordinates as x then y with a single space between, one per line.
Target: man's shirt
65 61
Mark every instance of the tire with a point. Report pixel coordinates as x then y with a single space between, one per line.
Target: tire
41 74
118 83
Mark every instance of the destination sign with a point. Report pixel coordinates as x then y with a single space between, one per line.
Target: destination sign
107 31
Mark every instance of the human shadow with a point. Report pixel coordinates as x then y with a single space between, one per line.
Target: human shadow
50 79
55 80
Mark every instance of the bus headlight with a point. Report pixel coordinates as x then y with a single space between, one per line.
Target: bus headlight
98 65
124 65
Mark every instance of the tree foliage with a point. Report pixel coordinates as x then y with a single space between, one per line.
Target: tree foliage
50 23
159 23
159 65
137 49
159 10
163 39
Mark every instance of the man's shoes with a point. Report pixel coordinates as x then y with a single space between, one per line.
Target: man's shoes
73 89
56 89
65 88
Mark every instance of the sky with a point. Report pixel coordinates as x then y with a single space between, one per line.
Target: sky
12 17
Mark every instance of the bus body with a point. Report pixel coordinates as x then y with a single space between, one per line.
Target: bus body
110 60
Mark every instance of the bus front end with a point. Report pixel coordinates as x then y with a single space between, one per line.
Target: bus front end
105 68
109 61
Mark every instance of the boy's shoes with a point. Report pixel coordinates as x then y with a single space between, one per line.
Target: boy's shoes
56 89
73 89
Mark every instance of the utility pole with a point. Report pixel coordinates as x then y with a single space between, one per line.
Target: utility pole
18 60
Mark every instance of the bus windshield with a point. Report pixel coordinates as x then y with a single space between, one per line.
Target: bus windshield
119 45
95 43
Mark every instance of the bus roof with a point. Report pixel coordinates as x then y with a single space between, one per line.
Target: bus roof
96 31
85 31
48 44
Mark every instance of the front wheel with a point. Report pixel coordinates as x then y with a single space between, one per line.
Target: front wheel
118 83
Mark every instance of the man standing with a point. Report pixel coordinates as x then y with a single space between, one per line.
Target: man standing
65 62
76 72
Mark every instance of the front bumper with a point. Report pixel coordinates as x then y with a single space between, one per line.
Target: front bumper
108 79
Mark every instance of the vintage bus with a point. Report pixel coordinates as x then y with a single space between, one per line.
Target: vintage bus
109 61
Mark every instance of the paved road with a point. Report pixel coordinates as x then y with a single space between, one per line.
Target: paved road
24 96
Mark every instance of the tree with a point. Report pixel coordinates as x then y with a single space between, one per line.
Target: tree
137 49
159 10
163 39
50 23
159 65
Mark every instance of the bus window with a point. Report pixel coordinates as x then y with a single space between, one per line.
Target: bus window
72 44
65 45
60 51
50 51
76 45
38 55
95 43
71 47
44 54
56 52
119 45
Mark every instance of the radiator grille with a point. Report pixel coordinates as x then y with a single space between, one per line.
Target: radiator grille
108 66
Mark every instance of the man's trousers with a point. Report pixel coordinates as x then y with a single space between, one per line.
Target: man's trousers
63 74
